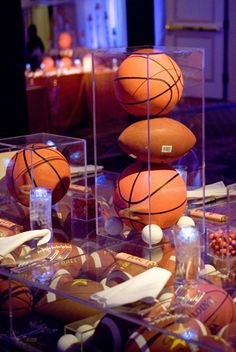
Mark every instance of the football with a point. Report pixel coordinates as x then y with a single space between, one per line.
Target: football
98 264
168 141
64 309
66 255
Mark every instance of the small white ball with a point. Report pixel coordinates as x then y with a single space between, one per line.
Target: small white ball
66 342
166 299
208 270
185 221
113 226
84 332
152 234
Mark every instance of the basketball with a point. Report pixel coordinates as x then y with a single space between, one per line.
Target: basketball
147 340
215 308
148 77
48 64
66 62
165 138
21 299
37 166
166 200
64 40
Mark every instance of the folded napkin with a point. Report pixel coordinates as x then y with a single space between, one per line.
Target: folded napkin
146 285
216 190
9 244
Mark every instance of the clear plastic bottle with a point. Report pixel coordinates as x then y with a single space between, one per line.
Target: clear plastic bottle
188 256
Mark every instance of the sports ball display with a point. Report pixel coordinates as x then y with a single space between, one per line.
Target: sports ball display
215 308
147 340
38 166
166 139
21 299
167 196
147 77
65 310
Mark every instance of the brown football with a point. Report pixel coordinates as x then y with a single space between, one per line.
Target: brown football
169 140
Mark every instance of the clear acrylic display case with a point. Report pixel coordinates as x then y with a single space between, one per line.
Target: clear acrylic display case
110 249
150 126
31 162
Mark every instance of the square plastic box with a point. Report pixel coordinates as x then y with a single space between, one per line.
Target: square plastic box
40 162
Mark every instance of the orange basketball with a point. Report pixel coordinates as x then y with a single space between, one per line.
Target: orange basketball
66 62
165 201
143 78
48 64
22 299
37 166
64 40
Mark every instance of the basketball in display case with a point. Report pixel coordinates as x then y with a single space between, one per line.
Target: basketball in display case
38 166
164 87
154 139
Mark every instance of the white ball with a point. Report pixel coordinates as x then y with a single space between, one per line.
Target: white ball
185 221
66 342
113 226
208 270
152 234
84 332
166 299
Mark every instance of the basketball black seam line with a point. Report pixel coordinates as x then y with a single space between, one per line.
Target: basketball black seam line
160 212
16 292
132 221
158 95
164 68
152 213
154 97
27 167
12 174
53 168
143 199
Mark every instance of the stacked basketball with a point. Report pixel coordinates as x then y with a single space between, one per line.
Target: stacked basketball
149 84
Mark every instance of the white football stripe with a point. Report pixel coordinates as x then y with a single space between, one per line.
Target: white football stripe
97 260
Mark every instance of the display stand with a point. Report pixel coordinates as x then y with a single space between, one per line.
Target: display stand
100 261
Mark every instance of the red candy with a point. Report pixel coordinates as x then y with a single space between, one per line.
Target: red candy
219 240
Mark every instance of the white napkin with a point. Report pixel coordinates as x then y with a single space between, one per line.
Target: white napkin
9 244
216 190
146 285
